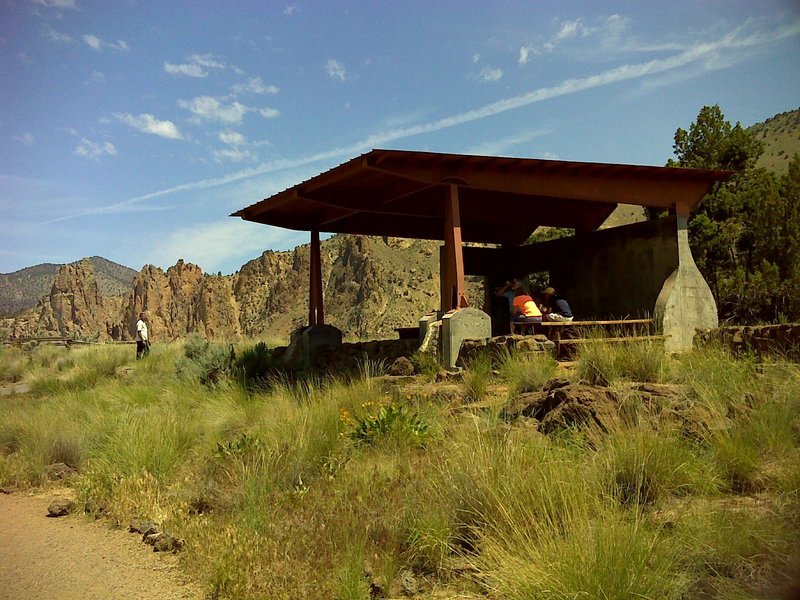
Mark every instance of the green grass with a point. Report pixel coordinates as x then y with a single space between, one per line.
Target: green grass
324 487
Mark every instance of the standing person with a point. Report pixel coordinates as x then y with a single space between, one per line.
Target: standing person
556 308
142 337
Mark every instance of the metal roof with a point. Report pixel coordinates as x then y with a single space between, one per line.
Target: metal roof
502 200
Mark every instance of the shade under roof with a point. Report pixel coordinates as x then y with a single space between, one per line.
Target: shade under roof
502 200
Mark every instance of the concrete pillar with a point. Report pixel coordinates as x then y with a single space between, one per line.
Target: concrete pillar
685 302
459 325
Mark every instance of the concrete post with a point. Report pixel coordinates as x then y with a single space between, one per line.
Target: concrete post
459 325
685 302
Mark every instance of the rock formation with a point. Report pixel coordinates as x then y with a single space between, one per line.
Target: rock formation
371 285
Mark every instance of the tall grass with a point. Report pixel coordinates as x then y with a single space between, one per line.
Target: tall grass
321 488
603 363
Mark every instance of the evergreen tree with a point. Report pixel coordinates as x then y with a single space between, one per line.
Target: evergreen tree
745 235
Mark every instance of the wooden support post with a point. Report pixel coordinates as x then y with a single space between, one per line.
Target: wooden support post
316 312
453 290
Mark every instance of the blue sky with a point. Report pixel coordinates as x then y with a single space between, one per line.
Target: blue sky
131 129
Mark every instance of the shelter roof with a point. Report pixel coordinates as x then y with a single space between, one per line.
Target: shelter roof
502 200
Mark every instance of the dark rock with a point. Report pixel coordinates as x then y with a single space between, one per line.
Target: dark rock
7 490
563 404
143 526
93 507
401 366
166 543
59 470
151 538
60 507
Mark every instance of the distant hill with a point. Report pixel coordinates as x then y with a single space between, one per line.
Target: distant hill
781 137
21 289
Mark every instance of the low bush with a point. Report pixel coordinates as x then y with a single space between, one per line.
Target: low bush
206 362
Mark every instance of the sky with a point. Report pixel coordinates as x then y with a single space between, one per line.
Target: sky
131 129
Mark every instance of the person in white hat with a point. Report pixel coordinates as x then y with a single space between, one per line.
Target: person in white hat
555 308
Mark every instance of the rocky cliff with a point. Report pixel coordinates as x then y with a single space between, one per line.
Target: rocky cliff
371 285
73 308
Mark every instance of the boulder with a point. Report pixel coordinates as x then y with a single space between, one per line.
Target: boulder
60 507
401 366
59 470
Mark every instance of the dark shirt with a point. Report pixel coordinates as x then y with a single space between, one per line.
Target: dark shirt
559 306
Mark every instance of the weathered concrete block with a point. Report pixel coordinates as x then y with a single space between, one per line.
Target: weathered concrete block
459 325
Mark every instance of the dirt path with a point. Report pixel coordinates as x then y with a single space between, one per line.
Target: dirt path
72 558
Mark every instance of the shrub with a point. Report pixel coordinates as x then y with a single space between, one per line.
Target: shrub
208 363
255 365
391 421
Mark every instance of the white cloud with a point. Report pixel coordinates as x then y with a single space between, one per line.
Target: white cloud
94 150
269 113
525 53
233 154
232 138
185 69
56 3
735 43
254 85
208 108
498 147
571 29
195 67
491 74
223 242
206 60
147 123
335 69
55 36
291 9
95 43
26 138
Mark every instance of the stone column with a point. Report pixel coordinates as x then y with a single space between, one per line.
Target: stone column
685 302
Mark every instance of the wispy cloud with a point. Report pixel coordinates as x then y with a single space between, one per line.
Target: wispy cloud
94 150
147 123
269 113
211 109
55 36
497 147
254 85
335 69
609 31
291 9
734 42
215 244
70 4
95 43
491 74
26 138
195 66
208 108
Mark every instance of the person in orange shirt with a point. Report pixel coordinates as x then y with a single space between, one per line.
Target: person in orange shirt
524 309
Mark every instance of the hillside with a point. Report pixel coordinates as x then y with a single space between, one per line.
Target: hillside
781 137
21 289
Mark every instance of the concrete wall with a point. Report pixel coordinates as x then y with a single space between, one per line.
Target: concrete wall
615 272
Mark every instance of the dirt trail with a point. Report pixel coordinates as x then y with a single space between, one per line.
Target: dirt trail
70 558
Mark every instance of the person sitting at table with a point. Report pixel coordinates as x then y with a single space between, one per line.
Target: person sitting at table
524 309
554 307
509 290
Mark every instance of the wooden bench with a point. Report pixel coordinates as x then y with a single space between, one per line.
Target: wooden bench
554 330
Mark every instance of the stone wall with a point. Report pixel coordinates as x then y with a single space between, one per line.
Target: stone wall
777 340
499 345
